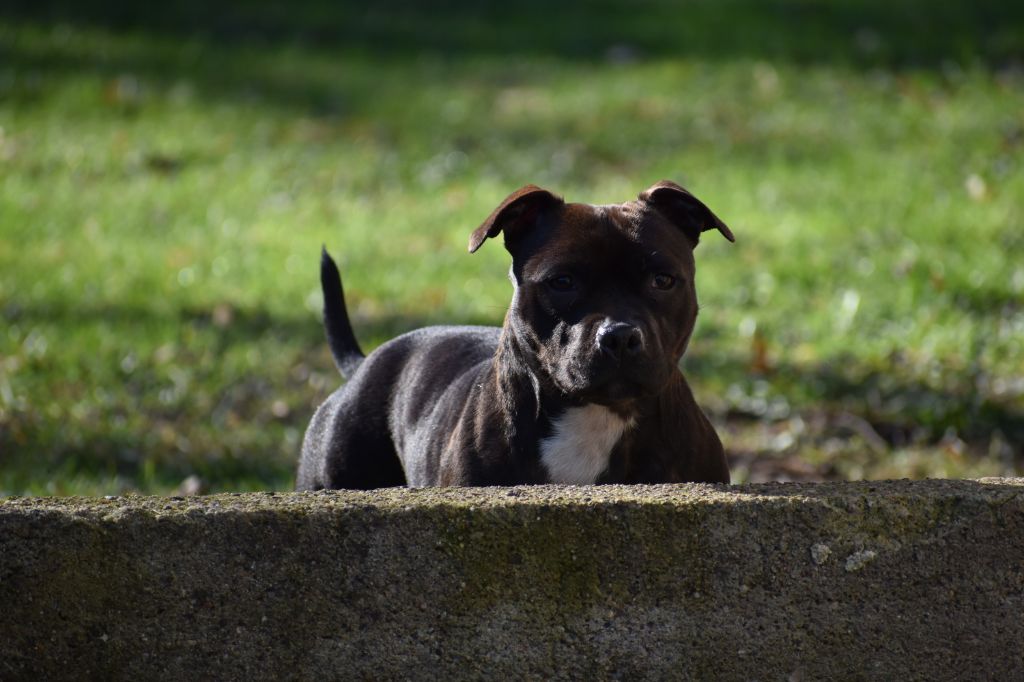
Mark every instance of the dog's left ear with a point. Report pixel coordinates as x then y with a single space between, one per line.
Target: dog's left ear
684 209
518 212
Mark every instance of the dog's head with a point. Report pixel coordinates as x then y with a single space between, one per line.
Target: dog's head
604 298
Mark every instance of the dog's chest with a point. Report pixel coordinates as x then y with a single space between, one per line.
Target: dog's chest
580 444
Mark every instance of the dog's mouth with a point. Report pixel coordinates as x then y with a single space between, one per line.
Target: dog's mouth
614 393
615 386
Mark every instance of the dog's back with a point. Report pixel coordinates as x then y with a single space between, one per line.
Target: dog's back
353 440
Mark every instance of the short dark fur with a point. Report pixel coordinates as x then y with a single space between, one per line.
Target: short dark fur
590 323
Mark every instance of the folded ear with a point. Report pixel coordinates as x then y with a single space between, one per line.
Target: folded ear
516 214
684 209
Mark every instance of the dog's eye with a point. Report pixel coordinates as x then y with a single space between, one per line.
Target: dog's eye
562 283
663 282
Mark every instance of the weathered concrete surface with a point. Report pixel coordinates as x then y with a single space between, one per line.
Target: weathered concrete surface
887 580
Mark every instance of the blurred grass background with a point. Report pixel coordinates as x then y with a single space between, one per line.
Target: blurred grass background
168 173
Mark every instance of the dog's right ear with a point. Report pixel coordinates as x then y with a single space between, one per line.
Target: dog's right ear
685 210
519 211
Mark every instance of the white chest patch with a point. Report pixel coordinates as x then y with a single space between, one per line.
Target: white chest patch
581 442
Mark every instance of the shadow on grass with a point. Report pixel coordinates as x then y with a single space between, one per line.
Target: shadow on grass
232 327
895 402
868 33
198 40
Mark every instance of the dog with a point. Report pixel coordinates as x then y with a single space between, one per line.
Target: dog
580 386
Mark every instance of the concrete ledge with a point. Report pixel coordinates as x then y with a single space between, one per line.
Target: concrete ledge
886 580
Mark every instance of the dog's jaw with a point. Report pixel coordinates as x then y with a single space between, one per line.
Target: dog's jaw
581 443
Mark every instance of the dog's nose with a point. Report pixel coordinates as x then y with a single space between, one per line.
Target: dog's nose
619 340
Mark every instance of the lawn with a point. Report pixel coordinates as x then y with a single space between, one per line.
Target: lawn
168 175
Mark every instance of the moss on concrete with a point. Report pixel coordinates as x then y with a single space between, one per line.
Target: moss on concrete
885 579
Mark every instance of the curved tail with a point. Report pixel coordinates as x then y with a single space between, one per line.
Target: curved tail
342 341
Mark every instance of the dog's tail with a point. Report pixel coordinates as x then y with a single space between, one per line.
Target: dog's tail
344 347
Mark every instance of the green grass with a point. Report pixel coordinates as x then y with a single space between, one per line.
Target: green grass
167 179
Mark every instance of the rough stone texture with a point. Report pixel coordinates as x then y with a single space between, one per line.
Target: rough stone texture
885 580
